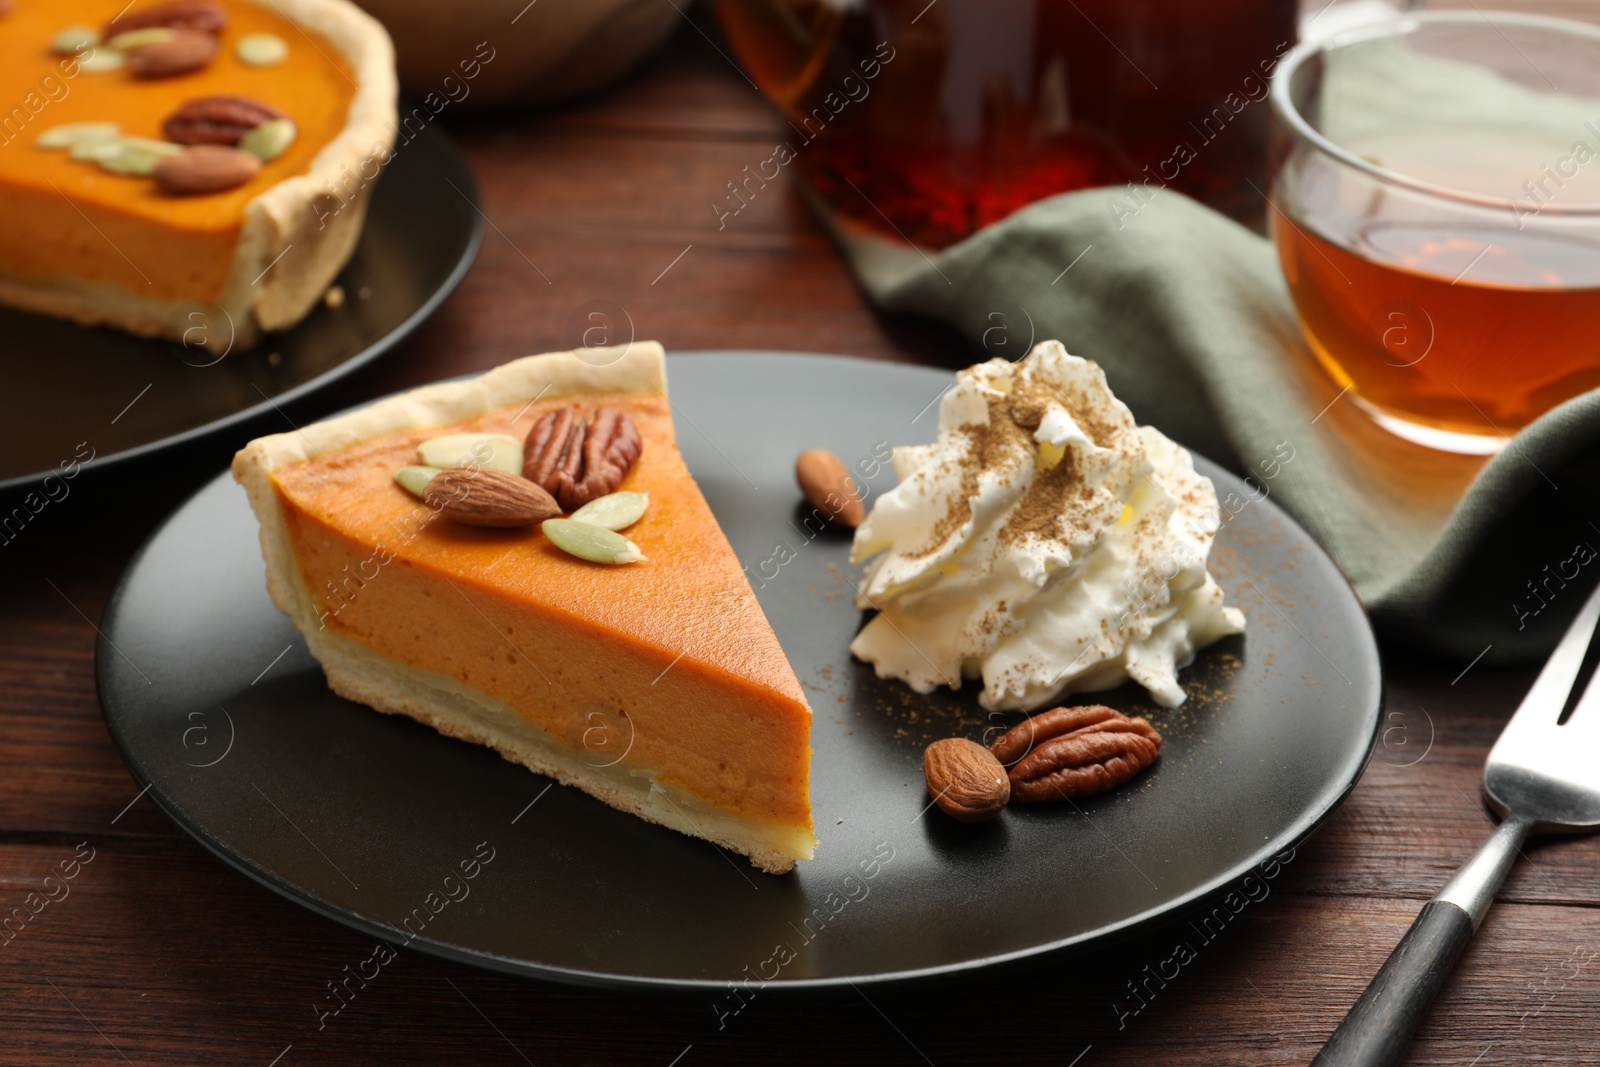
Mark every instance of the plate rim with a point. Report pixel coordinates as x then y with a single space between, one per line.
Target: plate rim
381 345
1301 829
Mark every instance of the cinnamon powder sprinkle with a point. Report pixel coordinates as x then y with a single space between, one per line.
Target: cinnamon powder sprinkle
1006 443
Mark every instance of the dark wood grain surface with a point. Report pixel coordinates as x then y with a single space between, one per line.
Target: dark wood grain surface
160 954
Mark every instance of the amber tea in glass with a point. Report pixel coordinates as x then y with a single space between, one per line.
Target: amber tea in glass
1437 215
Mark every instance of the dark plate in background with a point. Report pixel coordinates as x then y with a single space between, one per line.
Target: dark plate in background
215 704
125 396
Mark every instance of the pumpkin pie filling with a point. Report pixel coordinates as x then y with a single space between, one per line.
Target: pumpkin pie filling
663 672
114 239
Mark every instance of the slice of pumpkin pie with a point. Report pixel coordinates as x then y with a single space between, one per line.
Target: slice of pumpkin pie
196 169
417 544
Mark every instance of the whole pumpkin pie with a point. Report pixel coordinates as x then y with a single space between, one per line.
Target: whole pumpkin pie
256 222
651 681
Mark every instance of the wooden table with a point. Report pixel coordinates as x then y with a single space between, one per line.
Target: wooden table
160 954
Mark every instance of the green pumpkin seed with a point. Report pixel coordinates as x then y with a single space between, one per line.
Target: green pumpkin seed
270 140
74 39
615 511
129 161
74 133
261 49
414 480
497 451
98 60
136 39
95 148
135 155
593 543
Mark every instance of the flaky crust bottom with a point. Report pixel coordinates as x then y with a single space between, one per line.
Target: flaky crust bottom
91 303
455 710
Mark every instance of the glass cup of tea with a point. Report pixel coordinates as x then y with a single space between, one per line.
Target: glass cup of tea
1435 203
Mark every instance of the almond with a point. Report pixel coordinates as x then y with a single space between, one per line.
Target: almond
489 497
186 51
828 487
204 168
966 780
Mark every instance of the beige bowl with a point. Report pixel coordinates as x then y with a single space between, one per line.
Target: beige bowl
497 52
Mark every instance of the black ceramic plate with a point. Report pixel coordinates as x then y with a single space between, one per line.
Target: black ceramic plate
215 703
124 396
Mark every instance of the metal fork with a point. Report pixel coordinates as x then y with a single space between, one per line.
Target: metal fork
1543 777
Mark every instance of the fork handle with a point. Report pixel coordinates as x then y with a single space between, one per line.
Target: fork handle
1380 1027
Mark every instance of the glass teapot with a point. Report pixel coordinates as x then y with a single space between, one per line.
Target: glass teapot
929 120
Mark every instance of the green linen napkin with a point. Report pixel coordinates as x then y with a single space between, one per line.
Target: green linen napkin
1189 315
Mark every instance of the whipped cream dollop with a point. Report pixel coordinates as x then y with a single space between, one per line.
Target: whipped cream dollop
1044 542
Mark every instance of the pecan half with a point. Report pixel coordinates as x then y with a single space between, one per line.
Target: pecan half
201 16
577 460
217 120
1074 752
